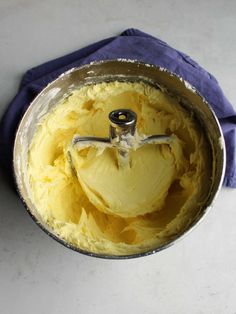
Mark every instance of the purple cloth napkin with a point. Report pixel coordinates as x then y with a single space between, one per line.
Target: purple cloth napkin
131 44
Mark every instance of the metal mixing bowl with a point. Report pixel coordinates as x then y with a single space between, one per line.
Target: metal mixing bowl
117 70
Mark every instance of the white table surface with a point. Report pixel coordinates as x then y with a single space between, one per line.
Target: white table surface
37 274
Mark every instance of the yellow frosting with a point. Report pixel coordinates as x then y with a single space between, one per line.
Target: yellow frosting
100 207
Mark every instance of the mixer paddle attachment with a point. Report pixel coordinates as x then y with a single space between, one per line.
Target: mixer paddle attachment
123 136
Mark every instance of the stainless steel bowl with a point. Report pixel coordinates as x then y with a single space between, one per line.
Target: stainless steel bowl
121 70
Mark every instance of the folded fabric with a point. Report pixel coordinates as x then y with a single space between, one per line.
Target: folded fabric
131 44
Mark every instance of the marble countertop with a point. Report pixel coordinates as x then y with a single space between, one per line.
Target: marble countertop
37 274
